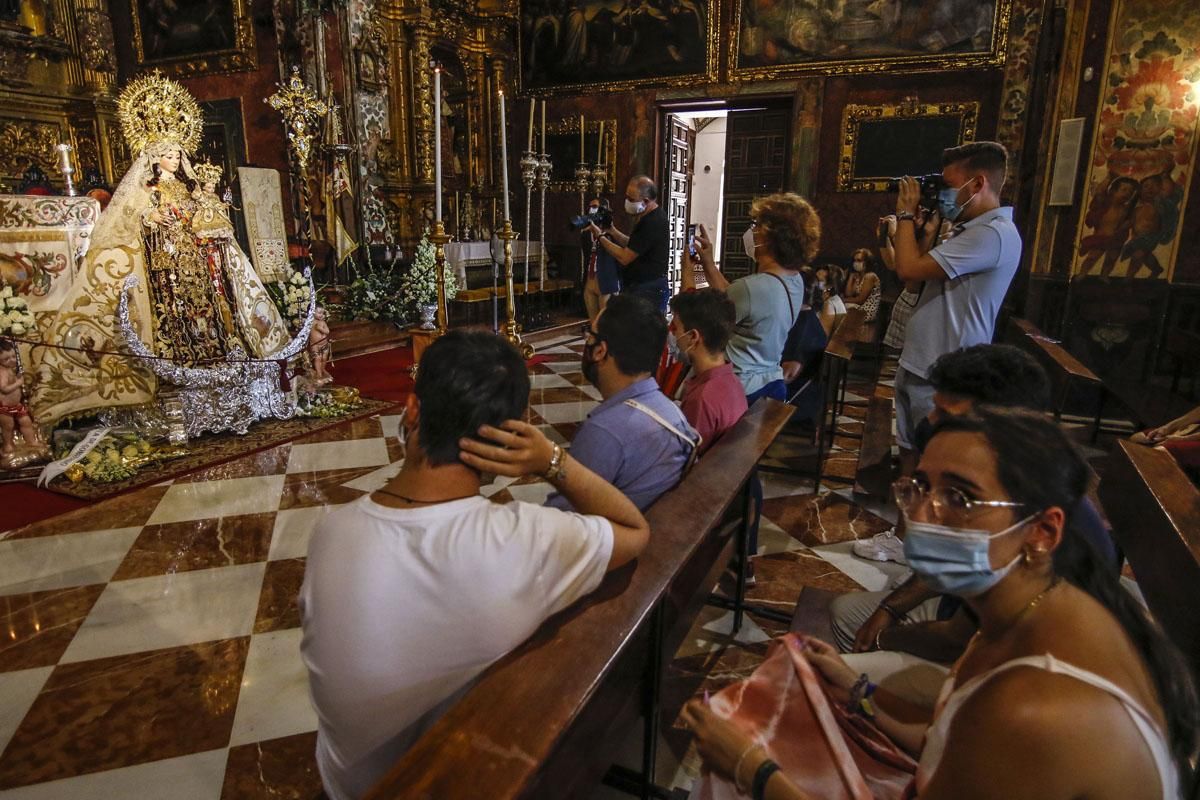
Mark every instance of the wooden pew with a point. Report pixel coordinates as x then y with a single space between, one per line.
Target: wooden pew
534 723
1155 514
1065 370
874 474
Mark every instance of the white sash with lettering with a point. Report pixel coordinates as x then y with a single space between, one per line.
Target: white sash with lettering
86 445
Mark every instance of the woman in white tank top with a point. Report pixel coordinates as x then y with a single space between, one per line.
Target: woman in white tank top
1067 691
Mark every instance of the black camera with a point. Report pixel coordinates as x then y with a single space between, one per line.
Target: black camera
931 185
602 217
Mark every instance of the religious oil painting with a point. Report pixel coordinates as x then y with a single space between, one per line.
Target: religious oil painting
194 37
613 44
1144 151
780 37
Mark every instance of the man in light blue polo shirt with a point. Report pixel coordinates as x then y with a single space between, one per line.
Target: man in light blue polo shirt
637 439
966 276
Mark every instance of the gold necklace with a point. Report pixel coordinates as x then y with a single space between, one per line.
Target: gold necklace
384 490
1030 606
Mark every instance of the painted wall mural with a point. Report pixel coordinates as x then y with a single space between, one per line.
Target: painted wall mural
1144 149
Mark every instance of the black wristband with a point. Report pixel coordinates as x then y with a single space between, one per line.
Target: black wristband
761 776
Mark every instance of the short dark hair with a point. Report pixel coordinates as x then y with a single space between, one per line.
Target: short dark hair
600 201
990 158
635 332
467 379
709 311
646 187
995 374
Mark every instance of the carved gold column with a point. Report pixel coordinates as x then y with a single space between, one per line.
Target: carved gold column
422 101
398 92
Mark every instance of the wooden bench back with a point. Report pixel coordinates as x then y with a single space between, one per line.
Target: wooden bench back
533 723
1059 363
1155 514
846 334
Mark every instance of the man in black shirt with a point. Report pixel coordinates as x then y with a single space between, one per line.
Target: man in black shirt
644 253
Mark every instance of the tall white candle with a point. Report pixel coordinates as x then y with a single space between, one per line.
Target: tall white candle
600 145
529 144
437 143
581 127
504 154
544 148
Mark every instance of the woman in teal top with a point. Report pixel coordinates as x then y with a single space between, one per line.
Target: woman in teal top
784 235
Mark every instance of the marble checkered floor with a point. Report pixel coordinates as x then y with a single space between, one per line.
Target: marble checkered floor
150 643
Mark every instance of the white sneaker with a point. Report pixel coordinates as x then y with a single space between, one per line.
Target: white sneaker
884 546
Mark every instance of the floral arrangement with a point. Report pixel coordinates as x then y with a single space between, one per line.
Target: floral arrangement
374 296
419 287
15 317
291 296
118 456
335 402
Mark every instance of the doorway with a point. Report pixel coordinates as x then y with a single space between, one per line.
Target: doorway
717 157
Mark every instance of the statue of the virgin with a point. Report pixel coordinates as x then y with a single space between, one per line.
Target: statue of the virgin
181 307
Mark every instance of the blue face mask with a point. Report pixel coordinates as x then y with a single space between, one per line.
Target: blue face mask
948 204
955 560
677 353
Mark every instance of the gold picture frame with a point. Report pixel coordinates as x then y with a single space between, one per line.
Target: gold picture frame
563 144
706 73
887 57
945 125
219 38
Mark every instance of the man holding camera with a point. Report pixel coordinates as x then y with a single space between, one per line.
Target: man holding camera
966 276
644 253
601 278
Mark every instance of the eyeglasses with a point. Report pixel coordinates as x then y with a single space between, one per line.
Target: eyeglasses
587 330
949 503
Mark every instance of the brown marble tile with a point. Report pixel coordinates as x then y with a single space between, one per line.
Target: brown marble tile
503 496
198 544
307 489
567 429
361 428
277 607
36 628
822 520
781 577
559 358
532 417
272 461
575 378
277 769
126 710
122 511
395 450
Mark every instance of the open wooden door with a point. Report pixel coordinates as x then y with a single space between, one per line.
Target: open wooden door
756 153
676 183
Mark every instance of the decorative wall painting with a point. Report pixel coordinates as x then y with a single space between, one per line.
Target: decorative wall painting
616 44
1144 147
194 37
773 38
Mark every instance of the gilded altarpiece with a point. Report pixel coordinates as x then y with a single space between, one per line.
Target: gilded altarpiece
473 45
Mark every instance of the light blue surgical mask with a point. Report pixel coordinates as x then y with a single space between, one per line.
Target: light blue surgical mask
948 204
677 352
956 560
748 243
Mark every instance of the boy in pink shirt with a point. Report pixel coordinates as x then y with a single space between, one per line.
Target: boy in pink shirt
713 397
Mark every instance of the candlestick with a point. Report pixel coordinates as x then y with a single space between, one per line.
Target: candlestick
600 145
581 129
504 155
64 166
529 144
437 143
512 329
439 238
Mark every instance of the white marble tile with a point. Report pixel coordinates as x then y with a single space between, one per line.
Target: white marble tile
556 349
773 539
169 611
293 528
373 480
59 562
499 483
535 493
224 498
553 435
196 777
591 391
874 576
778 485
565 412
548 380
390 423
18 690
563 366
274 700
349 454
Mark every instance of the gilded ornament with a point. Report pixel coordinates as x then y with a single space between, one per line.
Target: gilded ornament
207 172
302 110
155 110
28 142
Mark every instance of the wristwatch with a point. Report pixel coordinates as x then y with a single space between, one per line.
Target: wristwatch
558 468
900 215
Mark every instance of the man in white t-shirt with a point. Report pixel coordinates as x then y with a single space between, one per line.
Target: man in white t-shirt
966 275
411 592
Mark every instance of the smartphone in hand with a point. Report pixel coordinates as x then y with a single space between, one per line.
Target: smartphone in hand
691 241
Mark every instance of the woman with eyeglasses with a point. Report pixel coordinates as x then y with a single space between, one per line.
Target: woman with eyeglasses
1068 690
783 237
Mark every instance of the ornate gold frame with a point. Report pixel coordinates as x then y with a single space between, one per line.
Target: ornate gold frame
853 116
909 63
710 74
241 57
571 125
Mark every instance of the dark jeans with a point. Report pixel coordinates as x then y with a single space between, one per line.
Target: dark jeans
657 292
776 390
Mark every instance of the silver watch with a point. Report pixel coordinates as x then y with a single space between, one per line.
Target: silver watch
558 468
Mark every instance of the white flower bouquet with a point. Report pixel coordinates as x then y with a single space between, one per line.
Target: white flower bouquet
15 317
419 287
292 297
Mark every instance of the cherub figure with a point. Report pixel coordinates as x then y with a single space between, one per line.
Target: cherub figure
320 348
14 415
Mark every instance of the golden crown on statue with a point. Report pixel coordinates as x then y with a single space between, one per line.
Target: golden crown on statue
155 110
207 172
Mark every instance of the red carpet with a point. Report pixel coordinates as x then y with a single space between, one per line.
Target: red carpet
385 375
23 504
